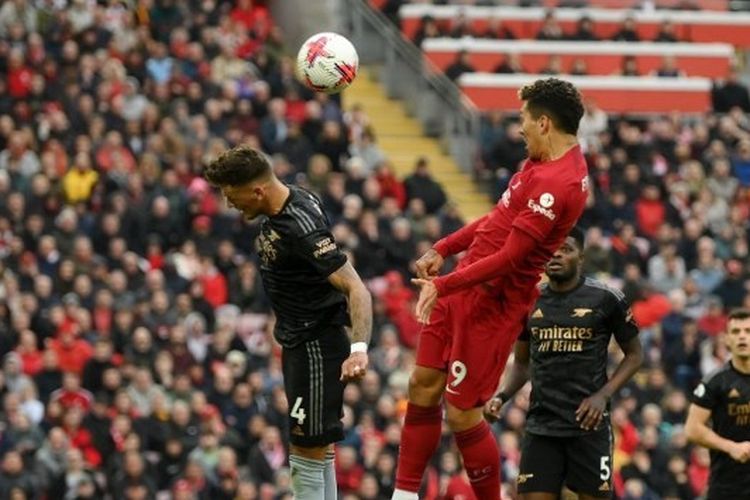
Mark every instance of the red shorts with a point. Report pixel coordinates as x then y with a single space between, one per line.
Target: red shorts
470 336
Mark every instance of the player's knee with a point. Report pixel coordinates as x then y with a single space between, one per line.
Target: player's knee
460 420
426 386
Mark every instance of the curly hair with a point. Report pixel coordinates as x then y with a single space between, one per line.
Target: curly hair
237 167
556 98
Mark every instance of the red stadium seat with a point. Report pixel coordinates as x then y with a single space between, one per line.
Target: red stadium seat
613 94
602 58
693 26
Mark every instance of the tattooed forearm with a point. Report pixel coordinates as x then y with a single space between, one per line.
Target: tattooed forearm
348 281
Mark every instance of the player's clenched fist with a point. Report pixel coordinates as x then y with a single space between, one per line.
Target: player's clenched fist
354 367
429 265
492 409
740 451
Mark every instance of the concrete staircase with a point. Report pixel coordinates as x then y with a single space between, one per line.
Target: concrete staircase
400 137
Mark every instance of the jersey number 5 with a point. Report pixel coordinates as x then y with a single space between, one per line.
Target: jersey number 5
298 412
604 470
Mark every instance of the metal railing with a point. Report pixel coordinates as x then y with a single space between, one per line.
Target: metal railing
427 93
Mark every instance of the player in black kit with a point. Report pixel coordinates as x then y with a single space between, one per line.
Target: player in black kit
724 398
563 349
316 294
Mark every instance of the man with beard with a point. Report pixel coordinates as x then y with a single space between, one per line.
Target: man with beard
564 351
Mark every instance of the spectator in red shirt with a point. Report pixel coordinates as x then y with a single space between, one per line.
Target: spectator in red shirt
19 75
348 472
215 289
71 394
31 356
80 438
650 211
72 353
390 186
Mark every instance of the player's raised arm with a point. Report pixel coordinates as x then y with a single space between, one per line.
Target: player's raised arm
698 432
350 284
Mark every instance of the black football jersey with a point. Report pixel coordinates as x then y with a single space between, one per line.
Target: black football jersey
297 255
569 333
727 394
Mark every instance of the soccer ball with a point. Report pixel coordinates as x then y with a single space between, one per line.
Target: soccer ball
327 62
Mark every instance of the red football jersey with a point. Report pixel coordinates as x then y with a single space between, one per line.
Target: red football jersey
545 201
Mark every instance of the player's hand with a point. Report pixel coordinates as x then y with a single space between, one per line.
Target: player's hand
427 299
492 409
740 452
591 410
429 265
354 367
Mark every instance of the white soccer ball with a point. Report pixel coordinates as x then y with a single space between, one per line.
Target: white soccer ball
327 62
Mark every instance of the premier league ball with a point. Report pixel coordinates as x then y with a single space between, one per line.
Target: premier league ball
327 62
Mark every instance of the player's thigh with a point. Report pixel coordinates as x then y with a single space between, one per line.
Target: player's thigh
312 373
483 339
542 468
433 346
589 459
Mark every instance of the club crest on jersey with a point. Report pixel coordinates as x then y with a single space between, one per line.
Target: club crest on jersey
581 312
700 391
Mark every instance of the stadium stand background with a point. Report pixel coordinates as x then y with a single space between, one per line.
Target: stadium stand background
135 334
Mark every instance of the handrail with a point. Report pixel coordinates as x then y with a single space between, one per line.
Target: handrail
427 93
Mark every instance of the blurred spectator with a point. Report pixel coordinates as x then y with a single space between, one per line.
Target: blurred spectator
550 29
462 64
627 32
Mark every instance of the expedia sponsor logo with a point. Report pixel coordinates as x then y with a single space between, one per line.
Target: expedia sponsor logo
538 209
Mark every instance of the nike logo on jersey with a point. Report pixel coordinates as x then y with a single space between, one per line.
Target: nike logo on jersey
581 312
451 391
537 314
515 186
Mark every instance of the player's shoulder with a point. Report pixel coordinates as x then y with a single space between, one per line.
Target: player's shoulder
597 287
303 211
720 375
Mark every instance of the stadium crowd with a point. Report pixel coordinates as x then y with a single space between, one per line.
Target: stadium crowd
137 353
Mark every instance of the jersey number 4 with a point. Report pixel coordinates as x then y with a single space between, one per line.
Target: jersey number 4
298 412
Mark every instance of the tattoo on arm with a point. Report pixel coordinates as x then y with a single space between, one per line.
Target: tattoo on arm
348 282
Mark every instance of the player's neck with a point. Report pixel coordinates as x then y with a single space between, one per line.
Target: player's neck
277 195
742 365
559 145
564 286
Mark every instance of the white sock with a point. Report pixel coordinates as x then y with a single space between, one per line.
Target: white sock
404 495
330 477
308 482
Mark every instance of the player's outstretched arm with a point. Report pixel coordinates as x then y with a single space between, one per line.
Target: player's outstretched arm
698 432
591 410
348 282
515 250
517 377
458 241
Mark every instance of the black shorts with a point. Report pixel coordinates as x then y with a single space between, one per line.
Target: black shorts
312 372
582 463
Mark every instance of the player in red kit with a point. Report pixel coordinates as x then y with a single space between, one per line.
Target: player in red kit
473 315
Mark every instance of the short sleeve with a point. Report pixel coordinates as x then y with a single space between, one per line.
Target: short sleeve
319 248
706 394
543 206
622 323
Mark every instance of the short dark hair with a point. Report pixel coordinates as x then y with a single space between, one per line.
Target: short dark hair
578 235
237 167
739 313
556 98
